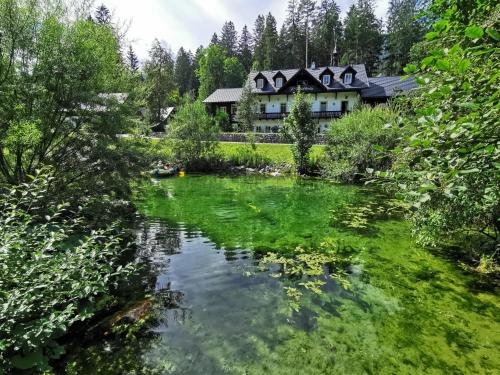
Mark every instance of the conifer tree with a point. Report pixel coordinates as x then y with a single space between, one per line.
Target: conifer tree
258 42
269 43
363 38
294 35
327 32
132 60
215 39
246 114
102 15
245 48
403 30
184 71
229 39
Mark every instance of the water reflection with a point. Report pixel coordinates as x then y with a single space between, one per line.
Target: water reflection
407 312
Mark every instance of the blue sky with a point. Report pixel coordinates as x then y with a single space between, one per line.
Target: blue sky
190 23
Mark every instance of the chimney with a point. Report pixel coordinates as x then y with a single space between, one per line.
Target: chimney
313 65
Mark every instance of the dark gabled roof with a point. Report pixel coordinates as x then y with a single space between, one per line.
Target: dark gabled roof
325 71
384 87
224 96
360 80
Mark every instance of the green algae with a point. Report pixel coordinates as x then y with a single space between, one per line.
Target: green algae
407 311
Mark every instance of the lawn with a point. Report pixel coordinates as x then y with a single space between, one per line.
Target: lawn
275 153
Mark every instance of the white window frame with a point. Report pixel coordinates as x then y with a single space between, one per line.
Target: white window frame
260 83
326 79
279 82
348 78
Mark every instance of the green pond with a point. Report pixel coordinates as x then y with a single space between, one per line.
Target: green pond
408 310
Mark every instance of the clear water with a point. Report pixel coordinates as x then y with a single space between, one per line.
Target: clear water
410 311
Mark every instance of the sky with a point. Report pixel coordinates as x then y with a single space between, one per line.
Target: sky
191 23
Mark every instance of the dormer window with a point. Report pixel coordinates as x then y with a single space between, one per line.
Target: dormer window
260 83
326 79
279 82
348 78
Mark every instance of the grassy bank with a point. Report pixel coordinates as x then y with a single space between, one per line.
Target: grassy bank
275 154
229 154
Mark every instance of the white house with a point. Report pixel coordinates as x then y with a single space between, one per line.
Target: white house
333 91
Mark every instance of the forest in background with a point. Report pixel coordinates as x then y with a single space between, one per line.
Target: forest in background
385 48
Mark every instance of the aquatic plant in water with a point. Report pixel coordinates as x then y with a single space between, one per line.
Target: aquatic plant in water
309 270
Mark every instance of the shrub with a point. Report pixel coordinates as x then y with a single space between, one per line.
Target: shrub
449 168
193 134
52 275
357 141
300 129
223 121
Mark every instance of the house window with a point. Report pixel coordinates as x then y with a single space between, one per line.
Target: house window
268 129
326 79
279 82
259 129
348 78
223 109
260 83
233 109
283 107
262 108
322 106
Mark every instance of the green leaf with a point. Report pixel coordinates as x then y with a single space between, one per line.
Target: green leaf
410 68
464 65
493 34
441 25
442 64
28 361
431 35
474 32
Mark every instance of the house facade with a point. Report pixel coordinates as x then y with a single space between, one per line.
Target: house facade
332 91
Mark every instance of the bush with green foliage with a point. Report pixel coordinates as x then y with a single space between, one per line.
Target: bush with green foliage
223 121
193 135
450 168
56 102
53 274
358 142
300 129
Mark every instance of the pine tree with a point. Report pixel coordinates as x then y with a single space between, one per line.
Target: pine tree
294 35
184 71
283 56
215 39
403 32
196 66
245 48
306 19
269 43
132 60
363 38
327 33
229 39
246 115
102 15
258 42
